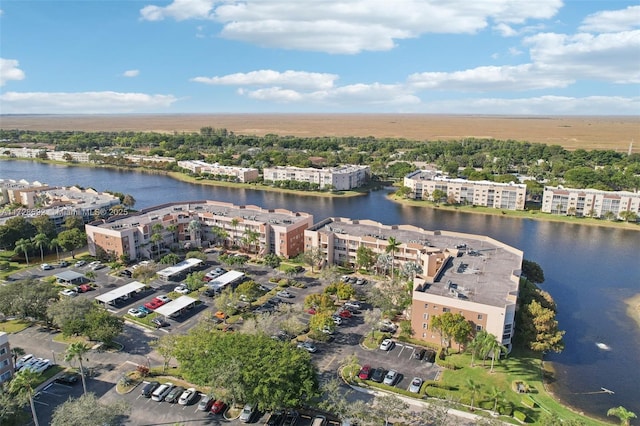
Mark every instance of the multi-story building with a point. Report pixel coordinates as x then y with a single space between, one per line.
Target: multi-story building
341 178
199 224
80 157
6 363
473 275
589 202
20 191
507 196
240 174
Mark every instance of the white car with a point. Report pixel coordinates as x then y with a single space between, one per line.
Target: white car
285 294
352 304
307 346
386 344
69 292
136 313
182 289
337 320
391 378
80 263
164 299
46 267
415 385
40 366
188 396
162 391
23 360
247 413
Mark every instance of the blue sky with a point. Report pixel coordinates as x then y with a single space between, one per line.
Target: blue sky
574 57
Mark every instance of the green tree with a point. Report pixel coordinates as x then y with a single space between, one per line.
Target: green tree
234 223
196 254
389 407
450 325
497 395
474 388
532 271
102 326
251 239
23 245
321 321
44 225
41 241
250 290
128 201
322 302
194 280
74 222
170 259
23 385
166 347
16 352
478 345
272 260
313 257
392 246
72 240
68 314
89 410
496 349
77 351
365 257
541 328
55 244
438 195
623 414
27 298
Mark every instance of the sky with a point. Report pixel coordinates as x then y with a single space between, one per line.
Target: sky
515 57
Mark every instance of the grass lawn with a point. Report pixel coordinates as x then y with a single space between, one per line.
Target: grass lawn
521 365
14 326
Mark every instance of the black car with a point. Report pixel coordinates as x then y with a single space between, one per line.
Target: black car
210 292
174 395
148 389
420 354
276 418
159 322
378 374
68 379
291 418
430 356
126 273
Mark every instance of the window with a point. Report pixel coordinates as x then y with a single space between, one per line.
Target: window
5 362
3 351
478 328
479 316
435 308
446 310
425 316
424 326
4 377
426 305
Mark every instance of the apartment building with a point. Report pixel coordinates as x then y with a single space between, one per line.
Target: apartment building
506 196
6 362
473 275
200 224
240 174
81 157
341 178
589 202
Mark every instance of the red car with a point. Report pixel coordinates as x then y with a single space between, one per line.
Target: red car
365 372
345 314
311 311
154 304
218 407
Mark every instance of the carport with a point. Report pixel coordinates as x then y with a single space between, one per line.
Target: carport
167 273
123 292
224 280
176 306
70 278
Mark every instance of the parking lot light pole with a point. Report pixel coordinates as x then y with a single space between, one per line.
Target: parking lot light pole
53 354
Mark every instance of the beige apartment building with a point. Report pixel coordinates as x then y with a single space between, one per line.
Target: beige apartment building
507 196
589 202
341 178
201 224
240 174
6 361
473 275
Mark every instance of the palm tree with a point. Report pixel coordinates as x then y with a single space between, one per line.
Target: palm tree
623 414
495 347
172 228
392 246
15 353
474 388
23 384
41 240
77 350
476 346
497 395
53 243
251 237
234 222
24 245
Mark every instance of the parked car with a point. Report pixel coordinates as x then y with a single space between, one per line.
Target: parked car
148 389
319 421
352 305
154 304
136 313
337 320
143 309
430 356
275 418
285 294
291 418
311 311
387 326
83 288
163 298
361 281
210 292
27 365
205 403
365 372
391 378
328 330
39 366
23 360
68 379
63 263
378 374
46 267
95 265
419 354
220 315
182 289
345 313
386 344
415 385
175 393
162 391
159 322
69 292
218 407
187 396
247 413
126 273
308 346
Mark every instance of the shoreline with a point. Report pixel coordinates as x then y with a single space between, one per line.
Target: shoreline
633 308
516 214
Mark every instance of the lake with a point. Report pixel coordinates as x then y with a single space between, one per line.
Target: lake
589 270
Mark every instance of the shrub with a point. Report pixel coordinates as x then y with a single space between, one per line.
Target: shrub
519 415
528 402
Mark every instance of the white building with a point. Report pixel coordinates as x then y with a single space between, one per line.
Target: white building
241 174
507 196
589 202
340 178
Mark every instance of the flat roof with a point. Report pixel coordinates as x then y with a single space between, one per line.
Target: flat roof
225 279
112 295
69 275
175 305
179 267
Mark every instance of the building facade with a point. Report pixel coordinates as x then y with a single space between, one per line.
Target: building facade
200 224
6 361
507 196
473 275
240 174
341 178
589 202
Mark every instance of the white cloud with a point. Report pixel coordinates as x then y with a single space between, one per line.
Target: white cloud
179 10
9 71
489 78
609 57
350 26
505 30
82 102
612 20
514 51
293 79
542 105
131 73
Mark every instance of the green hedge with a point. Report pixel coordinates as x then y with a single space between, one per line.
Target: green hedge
528 401
519 415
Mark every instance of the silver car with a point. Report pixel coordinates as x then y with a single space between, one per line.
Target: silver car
391 378
415 385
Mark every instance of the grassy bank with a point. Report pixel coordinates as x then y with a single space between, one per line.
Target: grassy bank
519 214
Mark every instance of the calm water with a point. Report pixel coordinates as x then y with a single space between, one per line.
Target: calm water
589 270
